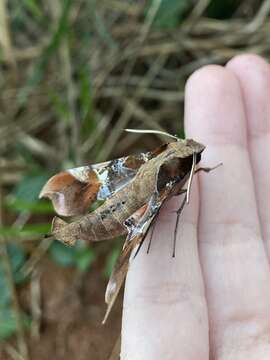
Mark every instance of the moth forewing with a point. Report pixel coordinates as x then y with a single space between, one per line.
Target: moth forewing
74 190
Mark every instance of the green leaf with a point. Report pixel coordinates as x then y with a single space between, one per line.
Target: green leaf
8 325
29 188
35 229
17 258
5 296
33 7
84 257
62 254
16 255
170 12
40 207
27 231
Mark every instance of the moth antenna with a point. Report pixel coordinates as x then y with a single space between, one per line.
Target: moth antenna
152 132
192 171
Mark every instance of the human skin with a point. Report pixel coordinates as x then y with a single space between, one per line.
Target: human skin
212 301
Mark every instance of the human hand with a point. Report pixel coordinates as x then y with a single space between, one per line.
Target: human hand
213 298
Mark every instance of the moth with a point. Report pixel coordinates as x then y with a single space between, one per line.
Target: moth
133 188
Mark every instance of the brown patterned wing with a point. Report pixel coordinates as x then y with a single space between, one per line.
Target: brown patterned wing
138 225
73 191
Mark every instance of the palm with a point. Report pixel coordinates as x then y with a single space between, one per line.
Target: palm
213 299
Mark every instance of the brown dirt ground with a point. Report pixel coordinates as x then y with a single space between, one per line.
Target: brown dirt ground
72 310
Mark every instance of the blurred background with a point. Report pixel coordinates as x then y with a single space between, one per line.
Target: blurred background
73 75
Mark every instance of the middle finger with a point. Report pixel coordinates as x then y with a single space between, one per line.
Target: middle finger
233 258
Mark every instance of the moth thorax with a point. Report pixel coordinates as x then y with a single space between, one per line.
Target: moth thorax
173 170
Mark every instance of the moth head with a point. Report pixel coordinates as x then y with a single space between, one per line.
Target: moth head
195 146
185 148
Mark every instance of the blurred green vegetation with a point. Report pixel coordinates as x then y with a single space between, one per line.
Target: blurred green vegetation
73 75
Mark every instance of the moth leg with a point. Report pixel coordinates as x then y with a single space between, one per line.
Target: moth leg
154 222
208 169
180 192
141 243
185 200
178 213
152 233
204 169
187 194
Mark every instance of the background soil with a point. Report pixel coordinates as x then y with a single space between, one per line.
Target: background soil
72 311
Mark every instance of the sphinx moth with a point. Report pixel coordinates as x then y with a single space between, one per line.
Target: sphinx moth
134 189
